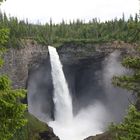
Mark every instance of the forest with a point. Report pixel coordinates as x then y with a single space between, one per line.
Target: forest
127 30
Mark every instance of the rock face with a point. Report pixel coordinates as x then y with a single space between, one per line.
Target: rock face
104 136
18 62
48 135
37 130
75 52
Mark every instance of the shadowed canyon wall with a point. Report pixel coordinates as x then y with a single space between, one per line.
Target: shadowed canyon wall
18 62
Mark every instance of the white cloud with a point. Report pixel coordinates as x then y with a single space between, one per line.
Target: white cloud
69 9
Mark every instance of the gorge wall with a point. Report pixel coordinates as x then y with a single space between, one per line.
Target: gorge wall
18 62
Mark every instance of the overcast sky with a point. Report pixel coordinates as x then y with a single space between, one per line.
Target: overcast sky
43 10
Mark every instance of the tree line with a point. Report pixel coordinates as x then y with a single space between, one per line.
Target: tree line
77 31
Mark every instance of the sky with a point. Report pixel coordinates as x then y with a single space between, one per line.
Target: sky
42 10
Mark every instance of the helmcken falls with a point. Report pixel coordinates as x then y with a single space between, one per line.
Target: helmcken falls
62 99
65 125
80 103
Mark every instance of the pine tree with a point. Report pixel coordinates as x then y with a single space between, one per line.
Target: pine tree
11 109
130 128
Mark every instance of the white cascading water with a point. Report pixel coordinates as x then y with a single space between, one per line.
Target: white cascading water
88 121
62 98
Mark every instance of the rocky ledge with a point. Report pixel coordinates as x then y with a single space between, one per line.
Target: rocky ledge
104 136
37 130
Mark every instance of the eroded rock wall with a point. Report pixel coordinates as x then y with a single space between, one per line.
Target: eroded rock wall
18 62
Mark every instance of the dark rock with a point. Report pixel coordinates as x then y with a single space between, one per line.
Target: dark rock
73 53
138 104
39 130
104 136
48 135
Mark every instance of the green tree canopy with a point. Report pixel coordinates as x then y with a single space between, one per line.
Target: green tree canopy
130 128
11 109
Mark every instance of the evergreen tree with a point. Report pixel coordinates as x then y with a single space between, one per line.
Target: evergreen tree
11 109
130 128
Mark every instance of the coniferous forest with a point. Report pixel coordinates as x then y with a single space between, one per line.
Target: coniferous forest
127 30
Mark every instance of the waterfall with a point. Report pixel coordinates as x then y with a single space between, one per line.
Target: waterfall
62 99
90 119
87 122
